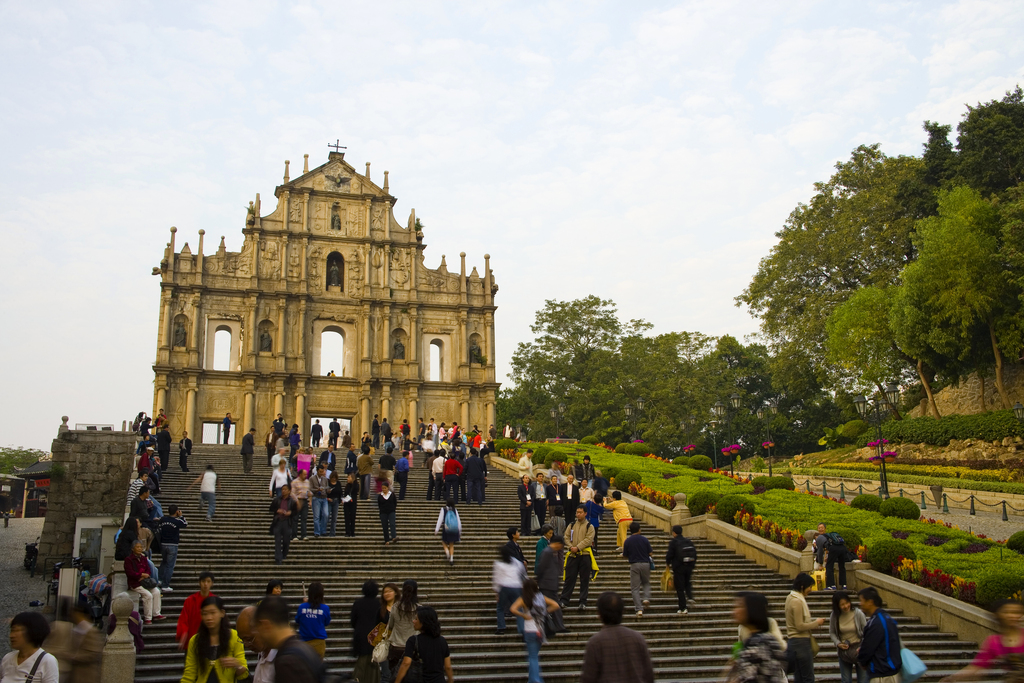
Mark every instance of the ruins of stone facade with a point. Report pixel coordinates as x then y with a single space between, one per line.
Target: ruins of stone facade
331 257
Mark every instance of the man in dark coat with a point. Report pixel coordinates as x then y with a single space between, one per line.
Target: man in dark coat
476 476
364 618
163 447
549 578
248 449
513 545
682 557
570 493
525 493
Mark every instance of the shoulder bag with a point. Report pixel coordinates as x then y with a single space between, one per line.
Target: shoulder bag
849 655
35 667
381 645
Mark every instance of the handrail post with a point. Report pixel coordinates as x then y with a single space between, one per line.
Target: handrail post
945 503
924 505
972 503
842 491
1005 518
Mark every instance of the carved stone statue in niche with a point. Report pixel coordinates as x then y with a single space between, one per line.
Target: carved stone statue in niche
266 342
180 334
378 263
398 350
475 354
333 275
335 222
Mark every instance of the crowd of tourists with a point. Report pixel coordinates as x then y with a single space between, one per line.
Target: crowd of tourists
396 636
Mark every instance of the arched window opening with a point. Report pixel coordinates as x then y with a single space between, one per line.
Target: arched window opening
332 353
222 349
336 271
436 371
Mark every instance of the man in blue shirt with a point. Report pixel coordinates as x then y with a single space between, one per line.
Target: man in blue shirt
402 474
638 552
227 428
879 650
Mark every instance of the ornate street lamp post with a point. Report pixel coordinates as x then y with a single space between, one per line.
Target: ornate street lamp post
714 440
766 415
633 415
873 415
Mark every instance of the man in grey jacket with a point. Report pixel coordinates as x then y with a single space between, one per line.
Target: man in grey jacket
549 575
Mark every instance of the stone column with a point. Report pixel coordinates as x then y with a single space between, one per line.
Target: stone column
165 336
364 418
190 414
249 413
413 417
278 404
385 409
488 297
386 333
490 414
198 275
279 345
254 342
286 201
414 338
365 322
300 412
465 414
119 652
462 279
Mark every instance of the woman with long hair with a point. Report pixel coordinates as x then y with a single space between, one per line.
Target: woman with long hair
799 627
449 524
388 596
313 617
400 623
349 499
428 647
215 653
1003 650
763 658
846 628
533 607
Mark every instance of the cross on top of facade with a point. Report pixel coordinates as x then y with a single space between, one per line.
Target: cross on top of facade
336 146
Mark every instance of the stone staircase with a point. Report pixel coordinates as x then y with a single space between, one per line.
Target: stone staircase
236 546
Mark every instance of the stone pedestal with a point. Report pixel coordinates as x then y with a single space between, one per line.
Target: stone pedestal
119 652
680 511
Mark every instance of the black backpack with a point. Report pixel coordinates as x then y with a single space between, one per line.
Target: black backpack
834 540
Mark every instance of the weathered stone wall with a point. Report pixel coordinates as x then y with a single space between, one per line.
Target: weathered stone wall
90 477
966 398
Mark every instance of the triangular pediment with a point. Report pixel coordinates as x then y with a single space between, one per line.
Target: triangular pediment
336 175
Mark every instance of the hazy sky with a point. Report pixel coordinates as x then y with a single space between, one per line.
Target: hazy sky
642 152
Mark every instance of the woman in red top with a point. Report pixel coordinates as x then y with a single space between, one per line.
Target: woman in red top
452 470
136 568
1003 650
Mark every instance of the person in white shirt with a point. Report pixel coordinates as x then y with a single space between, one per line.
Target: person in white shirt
207 491
280 477
586 493
29 661
507 582
437 472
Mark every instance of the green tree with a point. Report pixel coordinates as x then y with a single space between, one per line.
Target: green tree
14 458
856 232
961 281
990 144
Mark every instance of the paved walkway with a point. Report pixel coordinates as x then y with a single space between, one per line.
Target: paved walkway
18 588
989 523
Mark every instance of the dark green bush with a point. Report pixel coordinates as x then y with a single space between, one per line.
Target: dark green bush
700 501
866 501
505 445
621 448
885 553
773 483
557 456
637 449
853 429
998 583
589 441
683 460
1016 542
904 508
729 505
626 477
991 426
700 462
540 454
852 537
609 472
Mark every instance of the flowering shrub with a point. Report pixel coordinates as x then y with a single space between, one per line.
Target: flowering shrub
862 553
914 571
876 444
509 454
655 457
756 524
767 444
689 448
652 495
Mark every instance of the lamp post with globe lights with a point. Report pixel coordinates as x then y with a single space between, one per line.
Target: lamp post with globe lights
872 414
766 415
633 415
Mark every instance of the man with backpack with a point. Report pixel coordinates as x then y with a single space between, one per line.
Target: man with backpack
830 549
682 558
295 662
580 560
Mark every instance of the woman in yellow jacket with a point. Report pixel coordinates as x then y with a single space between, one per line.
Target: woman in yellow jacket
216 647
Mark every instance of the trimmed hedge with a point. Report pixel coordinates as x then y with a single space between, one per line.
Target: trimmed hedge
637 449
683 460
998 583
866 501
540 454
589 441
884 554
621 448
852 537
1016 542
991 486
729 505
626 477
505 445
700 501
773 483
904 508
700 462
991 426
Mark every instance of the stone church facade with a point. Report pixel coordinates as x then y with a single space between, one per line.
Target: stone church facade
331 257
